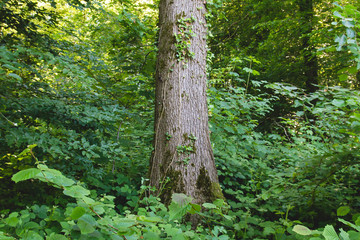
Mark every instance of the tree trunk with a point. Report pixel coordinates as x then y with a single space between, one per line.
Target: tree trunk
183 160
309 52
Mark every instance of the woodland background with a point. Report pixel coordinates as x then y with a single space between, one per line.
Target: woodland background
77 95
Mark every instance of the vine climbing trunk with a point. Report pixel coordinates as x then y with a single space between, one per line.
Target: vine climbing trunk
183 160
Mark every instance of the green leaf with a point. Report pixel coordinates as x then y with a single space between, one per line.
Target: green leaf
63 181
343 210
181 199
54 176
357 221
338 103
8 66
54 236
353 234
99 209
31 225
302 230
151 219
329 233
88 200
15 76
77 212
248 70
176 211
86 224
341 40
25 174
124 224
350 224
12 221
209 205
27 150
229 129
348 23
220 203
76 191
268 231
4 237
350 33
337 14
344 235
179 237
343 77
32 235
41 212
195 208
66 226
172 231
151 235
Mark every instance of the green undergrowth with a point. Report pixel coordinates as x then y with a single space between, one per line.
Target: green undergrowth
88 216
283 168
275 183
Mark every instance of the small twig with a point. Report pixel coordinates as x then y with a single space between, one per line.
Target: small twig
284 131
117 139
248 80
118 133
143 64
14 124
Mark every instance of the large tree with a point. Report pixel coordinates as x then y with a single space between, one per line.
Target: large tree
182 161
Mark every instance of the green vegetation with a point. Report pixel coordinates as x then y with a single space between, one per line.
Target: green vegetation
183 38
76 121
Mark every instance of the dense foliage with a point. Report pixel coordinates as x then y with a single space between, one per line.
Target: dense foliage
76 121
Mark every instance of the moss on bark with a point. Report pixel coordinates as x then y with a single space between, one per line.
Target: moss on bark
211 190
175 184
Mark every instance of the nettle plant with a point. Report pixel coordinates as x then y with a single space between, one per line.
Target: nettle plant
88 216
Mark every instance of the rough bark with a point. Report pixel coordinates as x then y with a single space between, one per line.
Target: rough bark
182 161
